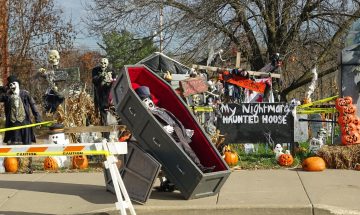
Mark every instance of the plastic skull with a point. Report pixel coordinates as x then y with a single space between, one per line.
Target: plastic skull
196 99
104 63
149 104
54 57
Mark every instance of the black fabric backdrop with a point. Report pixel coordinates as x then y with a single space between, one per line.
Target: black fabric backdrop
160 63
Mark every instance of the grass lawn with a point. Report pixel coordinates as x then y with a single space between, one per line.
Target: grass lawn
264 157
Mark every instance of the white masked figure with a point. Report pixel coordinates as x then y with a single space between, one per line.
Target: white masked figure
18 108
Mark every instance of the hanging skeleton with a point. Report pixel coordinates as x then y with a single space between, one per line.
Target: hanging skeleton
52 98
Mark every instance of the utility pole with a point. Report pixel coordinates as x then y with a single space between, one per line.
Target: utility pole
161 28
4 52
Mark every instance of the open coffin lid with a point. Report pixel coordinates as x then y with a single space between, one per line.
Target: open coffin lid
177 166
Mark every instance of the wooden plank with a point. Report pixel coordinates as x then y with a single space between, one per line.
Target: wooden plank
216 69
107 128
238 57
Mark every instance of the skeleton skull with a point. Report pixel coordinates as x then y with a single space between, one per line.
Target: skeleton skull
54 57
196 99
149 104
104 63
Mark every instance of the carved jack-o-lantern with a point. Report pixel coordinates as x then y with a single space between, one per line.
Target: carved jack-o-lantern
346 139
348 100
356 120
349 109
345 119
355 136
347 128
80 162
339 103
50 164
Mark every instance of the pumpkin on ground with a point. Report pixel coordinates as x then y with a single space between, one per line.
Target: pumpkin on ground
50 164
286 160
314 164
230 157
80 162
11 164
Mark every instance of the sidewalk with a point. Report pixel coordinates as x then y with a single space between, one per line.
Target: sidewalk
245 192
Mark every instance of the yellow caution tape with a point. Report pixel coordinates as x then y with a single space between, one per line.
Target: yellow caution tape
26 126
203 109
318 102
315 110
59 153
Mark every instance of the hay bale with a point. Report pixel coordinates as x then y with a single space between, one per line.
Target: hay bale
340 157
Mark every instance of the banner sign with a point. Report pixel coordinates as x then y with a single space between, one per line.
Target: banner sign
193 86
256 122
247 83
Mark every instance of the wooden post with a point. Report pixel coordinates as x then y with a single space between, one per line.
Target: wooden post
238 57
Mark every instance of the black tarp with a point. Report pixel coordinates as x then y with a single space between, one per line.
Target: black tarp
160 63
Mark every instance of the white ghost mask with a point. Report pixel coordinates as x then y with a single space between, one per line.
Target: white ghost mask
15 87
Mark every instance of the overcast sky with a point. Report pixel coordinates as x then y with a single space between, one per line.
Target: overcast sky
74 10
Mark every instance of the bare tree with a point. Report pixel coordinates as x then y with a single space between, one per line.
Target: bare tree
35 27
309 31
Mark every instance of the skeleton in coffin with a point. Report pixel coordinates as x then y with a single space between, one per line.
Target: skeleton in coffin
172 126
102 78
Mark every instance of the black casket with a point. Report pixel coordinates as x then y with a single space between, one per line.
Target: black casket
177 166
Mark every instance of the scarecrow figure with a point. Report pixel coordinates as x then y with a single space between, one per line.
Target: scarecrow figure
102 79
18 104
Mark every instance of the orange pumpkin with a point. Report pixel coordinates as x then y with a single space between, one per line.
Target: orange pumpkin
231 158
50 164
286 160
80 162
306 101
11 164
314 164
